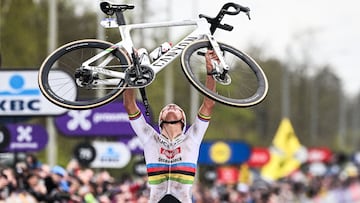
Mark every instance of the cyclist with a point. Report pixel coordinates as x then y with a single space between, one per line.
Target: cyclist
171 155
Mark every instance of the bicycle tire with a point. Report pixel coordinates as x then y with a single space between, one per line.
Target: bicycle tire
63 91
248 86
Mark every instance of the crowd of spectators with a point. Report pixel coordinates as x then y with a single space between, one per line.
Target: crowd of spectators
31 181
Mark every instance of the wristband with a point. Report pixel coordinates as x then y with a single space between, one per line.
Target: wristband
203 117
134 115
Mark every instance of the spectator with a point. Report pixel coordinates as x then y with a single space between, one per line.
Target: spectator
4 189
32 162
11 177
55 185
35 187
244 196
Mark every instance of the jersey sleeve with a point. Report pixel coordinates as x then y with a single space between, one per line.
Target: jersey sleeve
141 128
198 129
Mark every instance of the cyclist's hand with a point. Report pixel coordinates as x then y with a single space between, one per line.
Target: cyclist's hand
210 57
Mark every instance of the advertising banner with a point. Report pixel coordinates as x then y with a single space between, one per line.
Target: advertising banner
110 155
20 94
108 120
319 154
259 157
227 175
224 152
24 138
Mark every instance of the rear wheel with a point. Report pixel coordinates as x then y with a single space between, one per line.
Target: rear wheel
64 83
248 84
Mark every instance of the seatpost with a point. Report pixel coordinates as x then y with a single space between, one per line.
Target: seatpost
120 19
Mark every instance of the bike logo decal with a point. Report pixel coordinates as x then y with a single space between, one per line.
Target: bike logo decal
173 52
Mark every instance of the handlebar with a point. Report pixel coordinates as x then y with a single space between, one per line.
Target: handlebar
227 9
237 7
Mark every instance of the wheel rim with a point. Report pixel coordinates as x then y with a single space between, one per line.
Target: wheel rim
248 86
66 60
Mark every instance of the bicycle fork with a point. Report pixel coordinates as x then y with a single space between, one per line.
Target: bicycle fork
220 70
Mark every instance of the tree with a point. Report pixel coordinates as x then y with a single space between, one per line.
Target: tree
23 29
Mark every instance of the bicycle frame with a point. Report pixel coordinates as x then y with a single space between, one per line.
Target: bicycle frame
202 30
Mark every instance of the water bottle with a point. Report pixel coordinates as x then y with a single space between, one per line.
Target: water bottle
143 56
162 49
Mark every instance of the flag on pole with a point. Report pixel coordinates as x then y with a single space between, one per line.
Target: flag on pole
286 153
245 174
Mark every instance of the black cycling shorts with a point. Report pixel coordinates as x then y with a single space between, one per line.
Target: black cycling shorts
169 199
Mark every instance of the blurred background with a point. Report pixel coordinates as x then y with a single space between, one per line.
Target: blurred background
307 50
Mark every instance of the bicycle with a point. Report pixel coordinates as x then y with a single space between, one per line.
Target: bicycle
100 71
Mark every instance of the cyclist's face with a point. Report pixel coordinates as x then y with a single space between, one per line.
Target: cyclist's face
171 112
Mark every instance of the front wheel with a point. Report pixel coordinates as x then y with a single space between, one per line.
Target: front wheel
63 81
248 84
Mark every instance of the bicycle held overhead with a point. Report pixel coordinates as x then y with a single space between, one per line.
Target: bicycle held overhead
99 71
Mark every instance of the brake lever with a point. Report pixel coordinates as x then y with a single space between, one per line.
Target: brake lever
248 14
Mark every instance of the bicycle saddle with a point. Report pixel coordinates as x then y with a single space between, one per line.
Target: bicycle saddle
110 9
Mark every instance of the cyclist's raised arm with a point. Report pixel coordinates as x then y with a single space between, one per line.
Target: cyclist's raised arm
208 104
129 100
137 121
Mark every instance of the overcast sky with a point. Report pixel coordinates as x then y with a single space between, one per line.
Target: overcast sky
326 31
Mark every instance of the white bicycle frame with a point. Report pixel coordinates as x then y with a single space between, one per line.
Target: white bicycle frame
202 30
